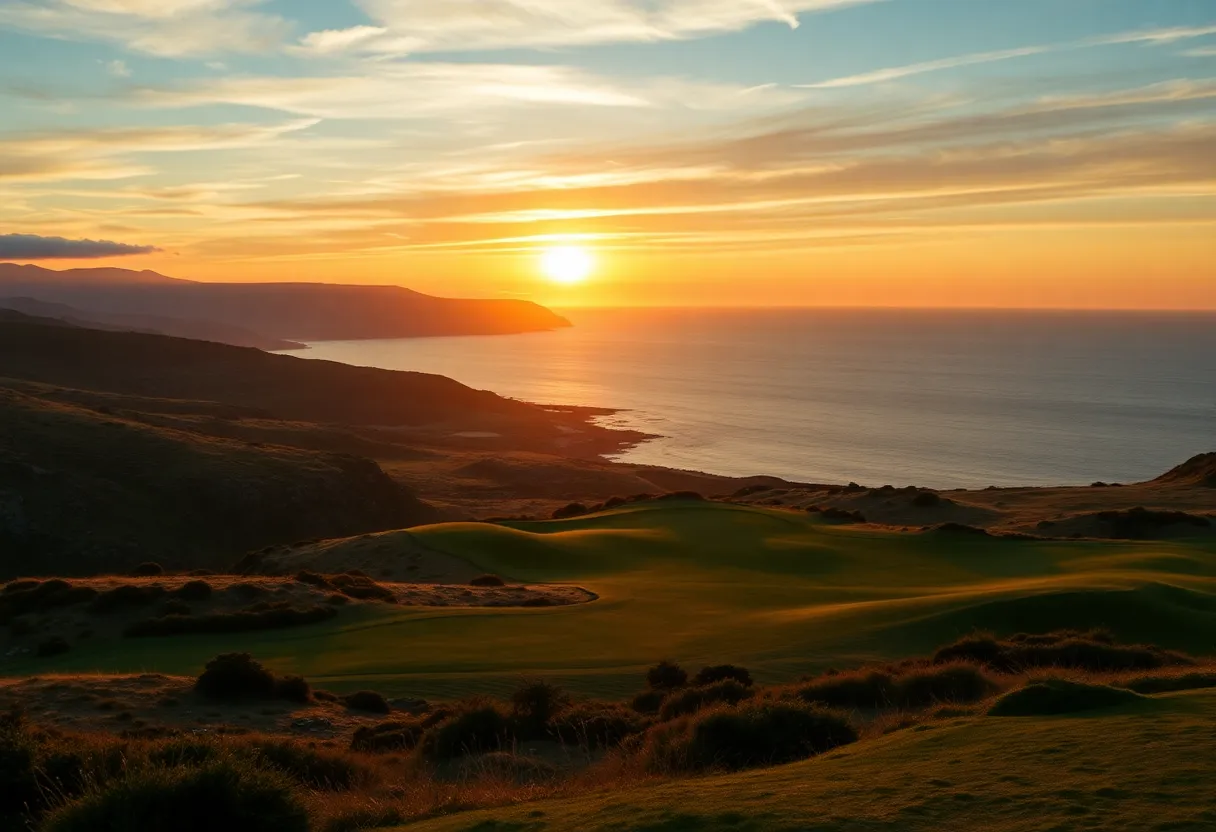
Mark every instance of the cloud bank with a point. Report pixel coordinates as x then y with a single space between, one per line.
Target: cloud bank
33 247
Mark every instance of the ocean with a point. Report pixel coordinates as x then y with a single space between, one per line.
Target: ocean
941 399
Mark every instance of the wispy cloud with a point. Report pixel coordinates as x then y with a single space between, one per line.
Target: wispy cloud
879 76
170 28
411 90
426 25
34 247
108 154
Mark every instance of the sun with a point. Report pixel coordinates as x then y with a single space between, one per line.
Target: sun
567 265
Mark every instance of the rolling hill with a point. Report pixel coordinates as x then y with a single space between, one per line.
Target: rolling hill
287 311
783 593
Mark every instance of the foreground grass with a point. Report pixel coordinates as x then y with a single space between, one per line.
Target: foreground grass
1136 768
781 592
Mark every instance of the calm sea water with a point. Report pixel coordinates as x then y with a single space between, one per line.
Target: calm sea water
941 399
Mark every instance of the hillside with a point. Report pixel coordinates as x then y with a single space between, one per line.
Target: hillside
157 366
289 311
155 324
83 491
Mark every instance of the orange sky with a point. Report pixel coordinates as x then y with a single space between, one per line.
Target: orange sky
792 153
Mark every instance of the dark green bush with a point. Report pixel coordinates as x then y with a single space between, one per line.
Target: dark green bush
691 700
1080 651
1051 697
125 597
148 570
230 795
487 580
1169 683
293 689
571 510
722 672
311 767
193 591
387 736
362 587
865 689
367 700
477 728
666 675
648 701
957 683
236 676
537 702
754 734
19 791
596 725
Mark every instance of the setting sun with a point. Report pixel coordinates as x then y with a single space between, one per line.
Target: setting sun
567 265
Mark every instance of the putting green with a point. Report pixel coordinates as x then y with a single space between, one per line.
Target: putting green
781 592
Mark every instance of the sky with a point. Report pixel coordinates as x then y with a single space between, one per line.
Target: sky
1038 153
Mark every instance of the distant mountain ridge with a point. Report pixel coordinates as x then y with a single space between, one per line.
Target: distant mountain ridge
286 311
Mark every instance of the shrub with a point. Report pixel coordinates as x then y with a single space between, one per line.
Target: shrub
367 700
38 596
487 580
21 585
754 734
596 725
125 597
957 683
293 689
571 510
54 646
193 591
314 579
362 587
327 770
721 672
615 502
17 767
648 701
865 689
540 601
148 570
174 607
961 528
842 515
478 728
236 676
1059 696
227 794
691 700
926 499
537 702
666 675
508 767
681 495
387 736
1080 651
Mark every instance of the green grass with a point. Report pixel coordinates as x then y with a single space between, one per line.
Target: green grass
1131 768
782 593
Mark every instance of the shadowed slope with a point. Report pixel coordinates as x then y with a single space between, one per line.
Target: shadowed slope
81 492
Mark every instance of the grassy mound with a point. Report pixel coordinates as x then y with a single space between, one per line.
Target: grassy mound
1052 697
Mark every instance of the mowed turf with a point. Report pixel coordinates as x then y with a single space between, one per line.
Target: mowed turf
781 592
1135 769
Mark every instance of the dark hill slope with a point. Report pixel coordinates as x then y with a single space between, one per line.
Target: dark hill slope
84 492
293 311
157 366
156 324
1199 470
